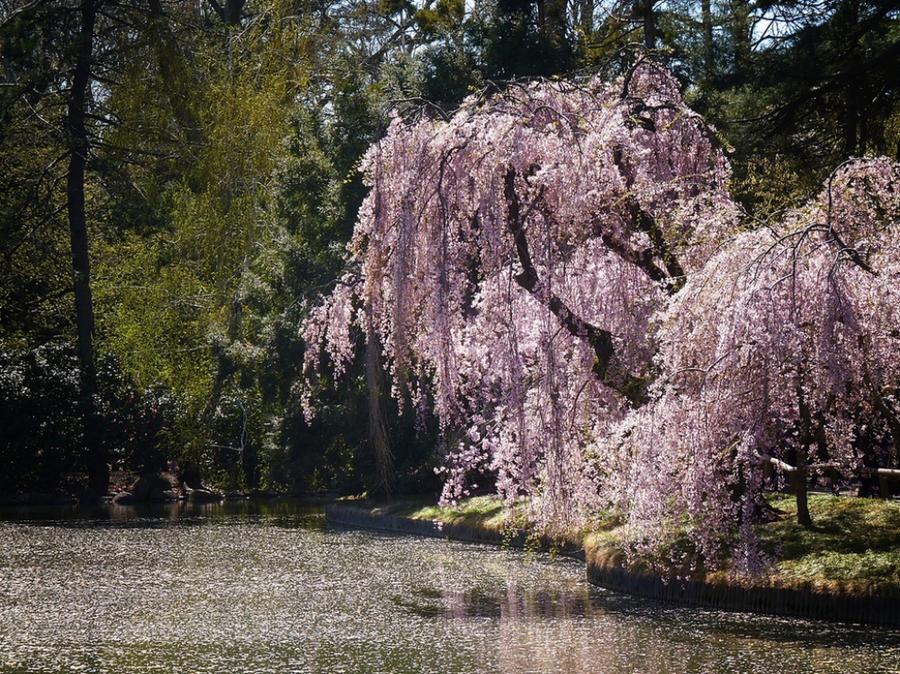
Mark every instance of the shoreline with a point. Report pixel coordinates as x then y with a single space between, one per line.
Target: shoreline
606 571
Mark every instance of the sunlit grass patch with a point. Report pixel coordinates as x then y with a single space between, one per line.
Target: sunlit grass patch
853 547
482 511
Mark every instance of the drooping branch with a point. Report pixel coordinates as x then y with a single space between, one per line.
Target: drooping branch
600 340
645 222
643 259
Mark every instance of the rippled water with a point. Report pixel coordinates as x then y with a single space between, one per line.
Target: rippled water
242 588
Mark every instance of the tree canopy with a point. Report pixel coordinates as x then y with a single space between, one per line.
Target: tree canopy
559 269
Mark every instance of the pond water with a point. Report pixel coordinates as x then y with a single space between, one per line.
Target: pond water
267 588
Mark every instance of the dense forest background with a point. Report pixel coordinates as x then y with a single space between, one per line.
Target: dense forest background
179 180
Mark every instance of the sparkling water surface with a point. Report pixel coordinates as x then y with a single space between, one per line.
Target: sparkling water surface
243 588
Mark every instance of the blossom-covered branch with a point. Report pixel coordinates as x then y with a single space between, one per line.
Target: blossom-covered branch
601 341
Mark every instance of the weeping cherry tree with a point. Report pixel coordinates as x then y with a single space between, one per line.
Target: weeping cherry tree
559 272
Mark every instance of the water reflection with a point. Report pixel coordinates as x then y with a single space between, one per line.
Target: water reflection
264 587
283 512
513 603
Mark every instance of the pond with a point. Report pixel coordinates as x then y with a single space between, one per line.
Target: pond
246 587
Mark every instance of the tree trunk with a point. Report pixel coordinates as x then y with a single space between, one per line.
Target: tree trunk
798 485
852 90
645 14
798 477
233 11
224 364
98 471
586 19
552 24
851 116
740 36
379 434
708 56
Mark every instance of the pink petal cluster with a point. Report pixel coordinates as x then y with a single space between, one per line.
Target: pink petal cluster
560 269
785 341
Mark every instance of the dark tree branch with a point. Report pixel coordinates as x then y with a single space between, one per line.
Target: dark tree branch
646 223
643 259
600 340
218 9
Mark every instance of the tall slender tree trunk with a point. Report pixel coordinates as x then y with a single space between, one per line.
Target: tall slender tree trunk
224 363
552 20
233 12
852 90
586 18
98 471
647 17
740 36
708 56
798 486
798 477
378 428
862 142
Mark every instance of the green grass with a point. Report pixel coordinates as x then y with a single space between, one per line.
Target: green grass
853 548
854 545
486 512
480 511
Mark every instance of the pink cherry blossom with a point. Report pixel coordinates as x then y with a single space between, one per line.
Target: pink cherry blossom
560 268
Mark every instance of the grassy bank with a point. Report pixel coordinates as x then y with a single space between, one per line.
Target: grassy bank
854 547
